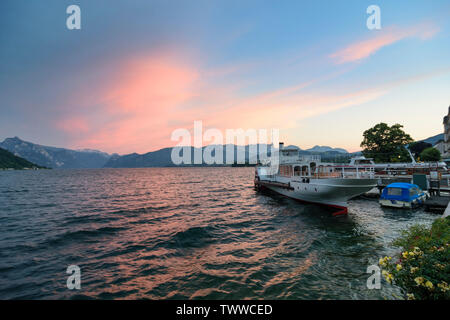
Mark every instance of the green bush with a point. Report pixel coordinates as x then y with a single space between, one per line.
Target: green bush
430 154
422 268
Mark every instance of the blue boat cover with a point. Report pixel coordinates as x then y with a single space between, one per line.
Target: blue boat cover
401 191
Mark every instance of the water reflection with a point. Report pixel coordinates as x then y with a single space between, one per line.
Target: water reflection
183 233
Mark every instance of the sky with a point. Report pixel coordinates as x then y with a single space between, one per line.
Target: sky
138 70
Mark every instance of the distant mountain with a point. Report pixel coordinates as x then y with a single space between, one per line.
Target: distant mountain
434 139
10 161
52 157
321 149
162 158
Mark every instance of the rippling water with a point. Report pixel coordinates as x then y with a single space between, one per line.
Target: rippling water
183 233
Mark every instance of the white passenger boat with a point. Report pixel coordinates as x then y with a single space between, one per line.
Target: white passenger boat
307 179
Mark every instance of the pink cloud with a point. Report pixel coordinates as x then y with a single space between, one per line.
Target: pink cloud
140 105
140 99
387 36
150 98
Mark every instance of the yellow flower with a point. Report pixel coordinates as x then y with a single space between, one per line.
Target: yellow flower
388 276
443 286
440 266
411 253
383 261
405 254
410 296
398 267
414 269
429 284
419 280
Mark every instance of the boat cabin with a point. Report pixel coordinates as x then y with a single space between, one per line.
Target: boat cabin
401 194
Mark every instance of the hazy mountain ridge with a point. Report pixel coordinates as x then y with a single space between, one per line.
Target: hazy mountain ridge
434 139
53 157
162 158
326 149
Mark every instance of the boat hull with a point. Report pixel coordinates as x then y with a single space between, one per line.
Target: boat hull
403 204
328 192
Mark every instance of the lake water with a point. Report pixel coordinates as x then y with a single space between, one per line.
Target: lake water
200 233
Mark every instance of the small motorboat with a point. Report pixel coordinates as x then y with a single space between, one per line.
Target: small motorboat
403 195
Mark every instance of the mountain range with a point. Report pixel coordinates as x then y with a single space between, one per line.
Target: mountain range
53 157
321 149
434 139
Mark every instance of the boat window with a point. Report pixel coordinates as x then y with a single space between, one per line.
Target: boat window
285 171
304 170
312 165
413 191
394 191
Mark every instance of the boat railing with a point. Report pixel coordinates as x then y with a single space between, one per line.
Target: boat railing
348 175
327 175
310 157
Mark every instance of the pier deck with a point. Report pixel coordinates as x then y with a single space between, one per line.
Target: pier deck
437 204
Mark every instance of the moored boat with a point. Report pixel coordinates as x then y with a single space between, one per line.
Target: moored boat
307 179
402 195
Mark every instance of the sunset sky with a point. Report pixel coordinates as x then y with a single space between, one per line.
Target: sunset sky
137 70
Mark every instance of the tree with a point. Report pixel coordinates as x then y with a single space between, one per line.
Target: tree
430 154
386 143
416 148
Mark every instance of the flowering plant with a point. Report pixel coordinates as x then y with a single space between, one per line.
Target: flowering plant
422 268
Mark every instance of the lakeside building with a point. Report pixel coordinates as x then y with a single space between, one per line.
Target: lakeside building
440 145
446 145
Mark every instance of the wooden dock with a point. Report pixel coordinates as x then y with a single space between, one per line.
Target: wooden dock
437 204
434 187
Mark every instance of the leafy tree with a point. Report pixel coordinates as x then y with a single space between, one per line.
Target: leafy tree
10 161
385 143
416 148
430 154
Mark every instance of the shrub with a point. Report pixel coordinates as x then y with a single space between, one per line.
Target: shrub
430 154
422 268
